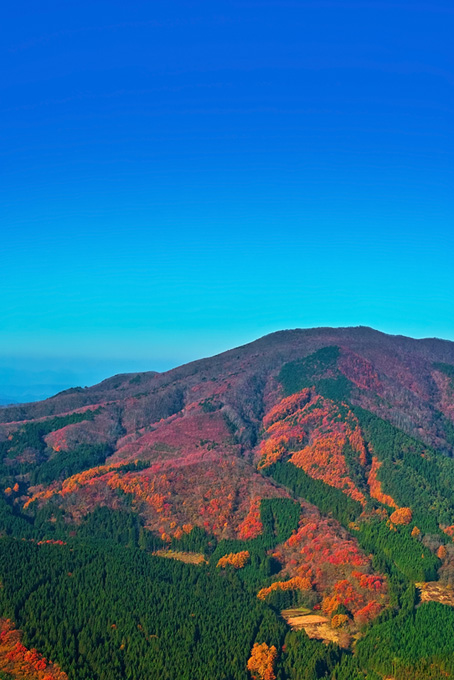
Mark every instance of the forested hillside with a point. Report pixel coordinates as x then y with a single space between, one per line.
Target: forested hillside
267 513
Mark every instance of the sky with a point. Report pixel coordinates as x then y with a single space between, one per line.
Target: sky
178 178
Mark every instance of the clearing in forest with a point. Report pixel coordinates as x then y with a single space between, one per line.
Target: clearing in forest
315 625
433 591
187 557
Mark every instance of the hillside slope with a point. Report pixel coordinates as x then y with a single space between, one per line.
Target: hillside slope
316 463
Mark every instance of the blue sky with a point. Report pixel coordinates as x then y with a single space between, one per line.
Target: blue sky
177 178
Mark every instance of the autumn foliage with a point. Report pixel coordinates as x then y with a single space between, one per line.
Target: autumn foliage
323 459
251 526
295 583
262 661
401 516
375 486
449 531
236 560
344 593
372 582
324 555
314 433
359 371
195 482
21 662
286 407
442 552
367 613
339 620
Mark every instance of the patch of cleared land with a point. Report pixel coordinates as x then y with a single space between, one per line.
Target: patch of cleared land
433 591
315 625
188 557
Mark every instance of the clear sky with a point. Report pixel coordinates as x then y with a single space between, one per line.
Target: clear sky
177 178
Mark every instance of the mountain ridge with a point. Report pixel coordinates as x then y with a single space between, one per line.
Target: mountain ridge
405 364
314 468
277 336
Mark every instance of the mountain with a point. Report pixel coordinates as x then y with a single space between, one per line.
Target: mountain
5 400
310 469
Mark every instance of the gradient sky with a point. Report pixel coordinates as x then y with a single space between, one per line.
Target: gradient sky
177 178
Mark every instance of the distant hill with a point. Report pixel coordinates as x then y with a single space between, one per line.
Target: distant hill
6 401
20 394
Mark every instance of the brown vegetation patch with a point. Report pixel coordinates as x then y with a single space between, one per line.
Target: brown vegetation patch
187 557
434 591
316 626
